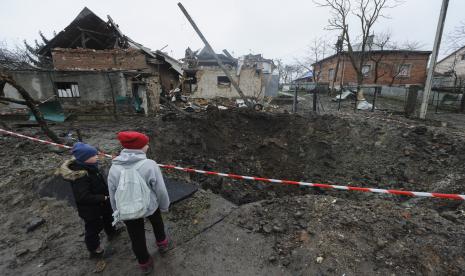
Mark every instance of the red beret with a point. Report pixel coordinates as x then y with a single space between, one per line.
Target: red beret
133 139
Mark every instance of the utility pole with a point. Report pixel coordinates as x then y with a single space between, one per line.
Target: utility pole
434 56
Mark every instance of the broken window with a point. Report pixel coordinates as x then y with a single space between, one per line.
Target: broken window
404 70
331 74
67 89
223 81
366 70
463 57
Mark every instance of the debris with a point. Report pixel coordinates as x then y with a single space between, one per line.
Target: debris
34 223
267 228
272 259
319 260
298 214
100 266
364 105
27 246
278 229
343 96
240 103
420 130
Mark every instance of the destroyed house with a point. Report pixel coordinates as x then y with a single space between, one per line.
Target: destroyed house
96 69
203 77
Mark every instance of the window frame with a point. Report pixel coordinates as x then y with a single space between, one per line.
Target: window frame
399 75
330 74
63 92
224 82
368 73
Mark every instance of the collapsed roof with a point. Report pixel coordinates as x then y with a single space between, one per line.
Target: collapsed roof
87 30
205 57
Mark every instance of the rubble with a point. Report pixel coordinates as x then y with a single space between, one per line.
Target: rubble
289 226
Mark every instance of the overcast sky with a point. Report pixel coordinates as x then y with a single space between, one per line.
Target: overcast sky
275 28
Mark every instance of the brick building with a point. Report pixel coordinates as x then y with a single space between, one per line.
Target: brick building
94 68
383 67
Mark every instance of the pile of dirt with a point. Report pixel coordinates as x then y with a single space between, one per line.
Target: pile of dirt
324 149
316 235
311 231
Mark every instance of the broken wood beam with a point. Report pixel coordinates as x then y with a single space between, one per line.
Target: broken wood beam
167 101
94 32
11 100
227 54
209 48
31 103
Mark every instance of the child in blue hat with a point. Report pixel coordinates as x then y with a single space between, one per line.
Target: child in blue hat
91 195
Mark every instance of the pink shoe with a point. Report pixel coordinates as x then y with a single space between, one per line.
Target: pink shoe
165 245
147 267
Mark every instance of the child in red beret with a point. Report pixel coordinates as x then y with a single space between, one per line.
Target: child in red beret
134 156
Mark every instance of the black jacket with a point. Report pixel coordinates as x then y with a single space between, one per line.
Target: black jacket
89 189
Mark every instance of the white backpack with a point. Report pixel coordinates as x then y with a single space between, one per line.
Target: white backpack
132 196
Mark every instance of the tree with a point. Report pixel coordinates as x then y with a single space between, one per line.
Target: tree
367 13
32 53
456 39
396 69
29 102
382 41
317 50
287 72
10 60
13 58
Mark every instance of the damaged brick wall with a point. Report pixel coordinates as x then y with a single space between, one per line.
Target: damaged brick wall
89 59
169 78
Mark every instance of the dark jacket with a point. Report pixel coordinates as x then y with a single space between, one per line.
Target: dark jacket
89 189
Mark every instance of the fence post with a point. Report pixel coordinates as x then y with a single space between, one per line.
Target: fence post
411 100
377 90
315 97
294 103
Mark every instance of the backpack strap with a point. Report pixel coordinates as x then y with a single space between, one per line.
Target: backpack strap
139 164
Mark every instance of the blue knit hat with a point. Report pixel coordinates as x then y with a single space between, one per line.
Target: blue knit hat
82 151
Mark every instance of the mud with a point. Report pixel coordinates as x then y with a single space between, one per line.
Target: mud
324 149
261 228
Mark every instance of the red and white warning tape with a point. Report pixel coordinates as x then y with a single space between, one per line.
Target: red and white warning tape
271 180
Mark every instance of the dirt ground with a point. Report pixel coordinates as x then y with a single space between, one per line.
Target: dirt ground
233 227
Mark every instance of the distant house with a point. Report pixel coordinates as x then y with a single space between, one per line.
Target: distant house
450 71
203 78
305 78
303 82
384 67
97 69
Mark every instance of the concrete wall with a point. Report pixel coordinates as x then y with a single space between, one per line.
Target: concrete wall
400 94
95 88
250 82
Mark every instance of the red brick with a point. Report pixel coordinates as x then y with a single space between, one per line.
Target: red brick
89 59
417 76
